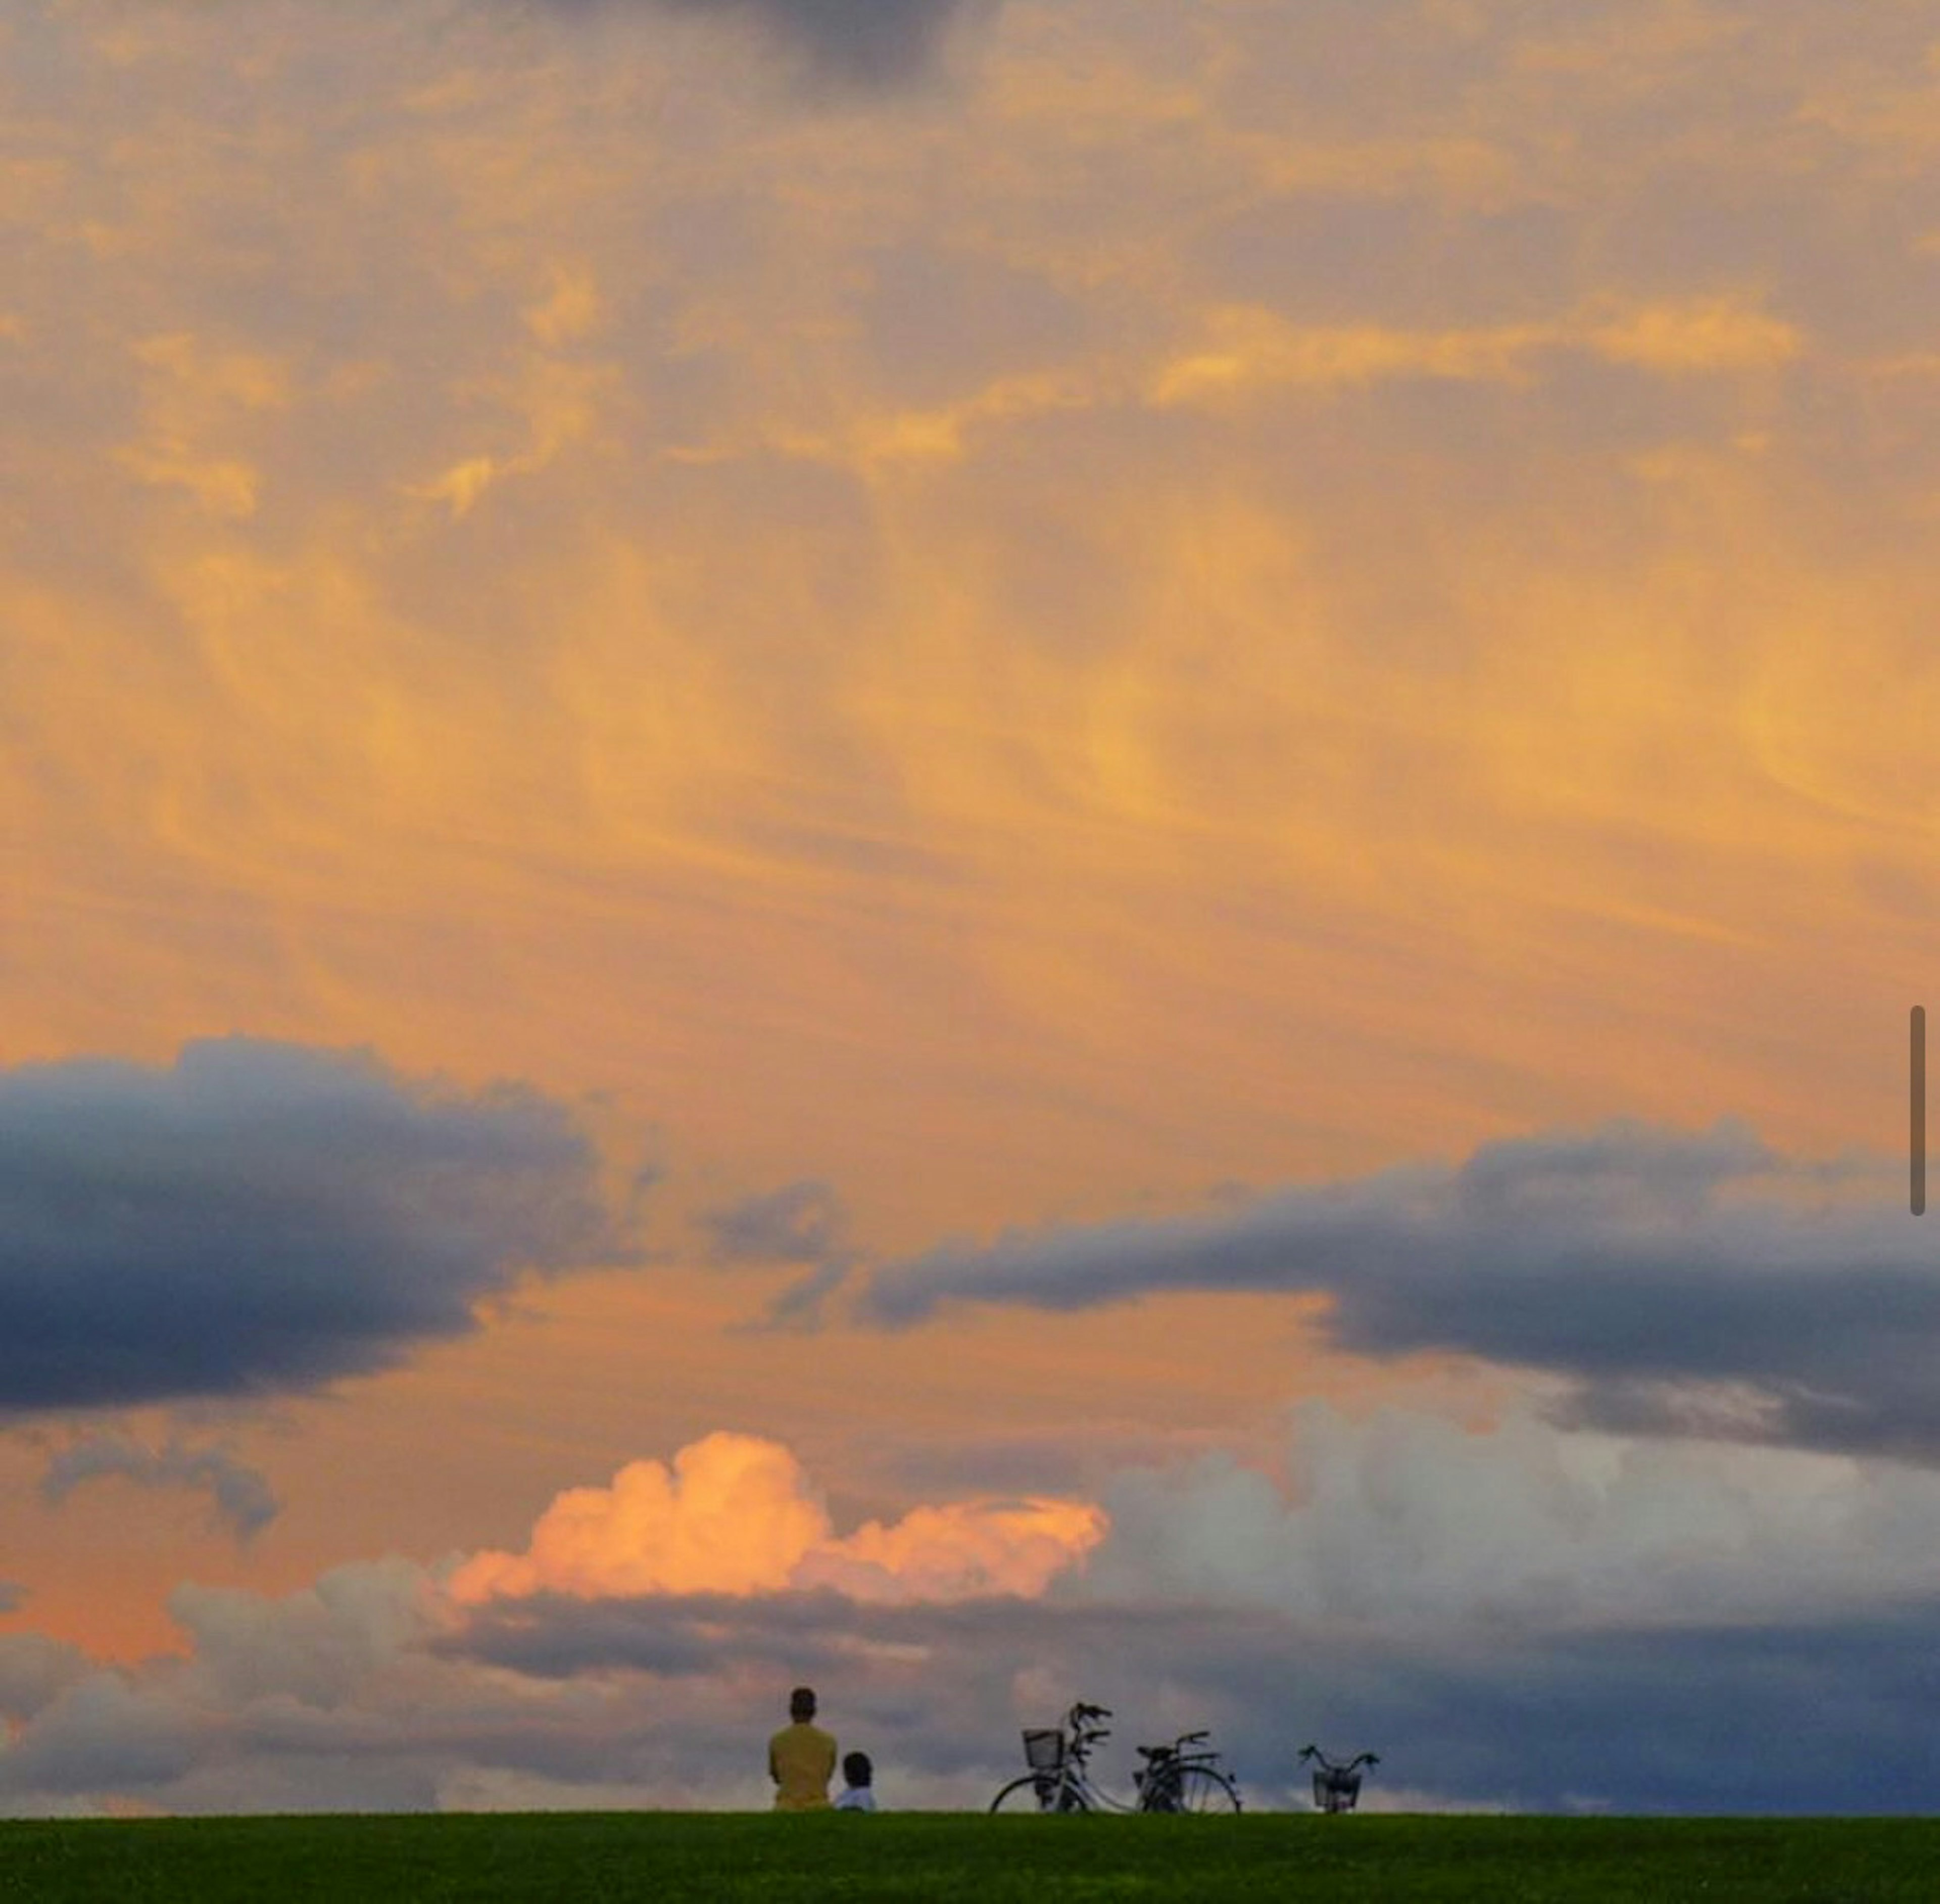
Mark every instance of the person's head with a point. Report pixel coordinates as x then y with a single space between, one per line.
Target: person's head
857 1769
801 1704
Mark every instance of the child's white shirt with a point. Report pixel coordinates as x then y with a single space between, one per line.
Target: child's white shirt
856 1798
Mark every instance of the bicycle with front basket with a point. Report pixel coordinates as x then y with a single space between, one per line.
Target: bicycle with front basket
1175 1778
1337 1787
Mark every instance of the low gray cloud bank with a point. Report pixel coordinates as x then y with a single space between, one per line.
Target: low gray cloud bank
1629 1719
261 1218
1686 1283
34 1669
1528 1617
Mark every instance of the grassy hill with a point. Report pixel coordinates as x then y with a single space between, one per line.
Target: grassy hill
590 1858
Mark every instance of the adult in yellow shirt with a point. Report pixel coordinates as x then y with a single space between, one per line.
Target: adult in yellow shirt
801 1757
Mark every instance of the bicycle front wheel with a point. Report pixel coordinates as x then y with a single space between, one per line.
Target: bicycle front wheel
1040 1796
1203 1790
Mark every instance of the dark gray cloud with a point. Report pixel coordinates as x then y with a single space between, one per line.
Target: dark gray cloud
553 1635
243 1499
1689 1283
804 1223
262 1217
874 42
12 1594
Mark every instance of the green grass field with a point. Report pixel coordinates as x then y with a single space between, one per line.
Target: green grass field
656 1855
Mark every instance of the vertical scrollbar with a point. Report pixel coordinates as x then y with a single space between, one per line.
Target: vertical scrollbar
1917 1123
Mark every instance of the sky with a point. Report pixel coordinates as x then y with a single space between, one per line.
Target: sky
993 850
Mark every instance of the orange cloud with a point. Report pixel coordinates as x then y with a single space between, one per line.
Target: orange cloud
571 309
558 405
196 399
954 1552
734 1514
1701 334
1248 348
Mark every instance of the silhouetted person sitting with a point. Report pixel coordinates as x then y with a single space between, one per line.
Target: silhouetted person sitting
801 1757
861 1794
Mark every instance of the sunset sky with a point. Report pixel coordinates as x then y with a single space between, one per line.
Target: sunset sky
995 850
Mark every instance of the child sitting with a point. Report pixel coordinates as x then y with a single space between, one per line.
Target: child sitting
860 1794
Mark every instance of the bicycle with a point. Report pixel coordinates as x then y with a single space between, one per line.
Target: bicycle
1337 1787
1172 1779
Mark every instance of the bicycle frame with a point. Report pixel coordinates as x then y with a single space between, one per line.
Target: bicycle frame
1073 1778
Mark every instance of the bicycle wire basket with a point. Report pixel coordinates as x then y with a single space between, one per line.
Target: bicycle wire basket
1334 1790
1043 1750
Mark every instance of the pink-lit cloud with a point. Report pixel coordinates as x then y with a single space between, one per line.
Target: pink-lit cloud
735 1514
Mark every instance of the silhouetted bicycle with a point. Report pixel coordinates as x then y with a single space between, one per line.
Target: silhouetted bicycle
1173 1779
1337 1788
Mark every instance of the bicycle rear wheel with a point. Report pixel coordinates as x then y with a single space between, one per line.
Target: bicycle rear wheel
1042 1796
1202 1790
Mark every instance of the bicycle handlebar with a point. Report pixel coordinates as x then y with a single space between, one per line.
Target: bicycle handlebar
1328 1765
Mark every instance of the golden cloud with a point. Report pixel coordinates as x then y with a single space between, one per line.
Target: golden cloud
1247 348
1707 333
734 1514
